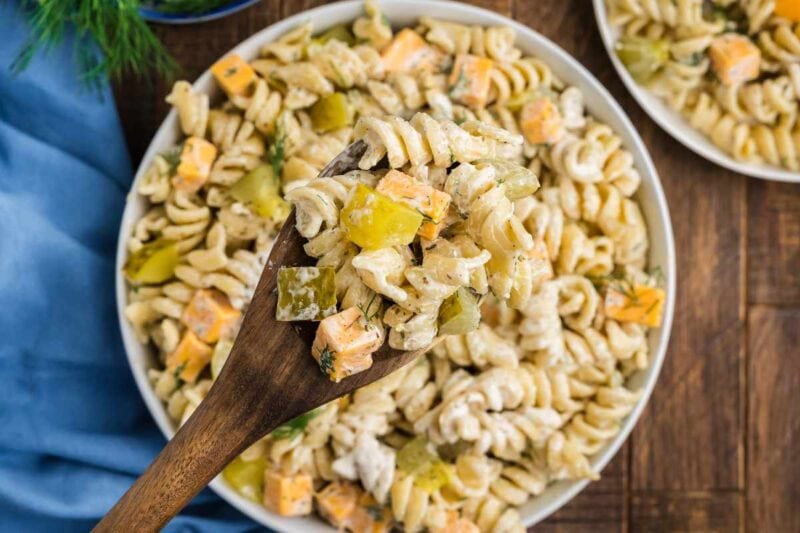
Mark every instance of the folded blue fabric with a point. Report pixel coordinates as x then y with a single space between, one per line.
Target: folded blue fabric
74 432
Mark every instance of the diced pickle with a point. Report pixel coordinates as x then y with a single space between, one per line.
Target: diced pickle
246 477
416 455
642 57
436 476
340 32
419 460
306 293
517 181
459 313
372 220
517 101
332 112
221 352
260 189
154 262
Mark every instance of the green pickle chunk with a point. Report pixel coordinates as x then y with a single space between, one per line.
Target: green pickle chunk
418 459
516 180
154 262
340 32
260 189
246 477
459 313
332 112
642 57
306 293
372 220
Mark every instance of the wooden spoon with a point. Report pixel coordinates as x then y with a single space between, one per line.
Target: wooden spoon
270 378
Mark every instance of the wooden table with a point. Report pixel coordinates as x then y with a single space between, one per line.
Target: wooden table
718 447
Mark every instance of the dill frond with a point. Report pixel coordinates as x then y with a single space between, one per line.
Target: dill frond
111 38
193 7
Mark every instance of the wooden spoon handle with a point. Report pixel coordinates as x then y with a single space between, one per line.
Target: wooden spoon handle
202 447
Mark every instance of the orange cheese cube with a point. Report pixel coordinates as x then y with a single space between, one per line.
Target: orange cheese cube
642 305
287 495
789 9
469 81
431 202
336 503
191 357
369 516
344 343
233 74
735 58
194 168
454 524
408 52
541 121
210 315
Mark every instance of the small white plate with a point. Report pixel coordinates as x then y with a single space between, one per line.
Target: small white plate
599 102
673 122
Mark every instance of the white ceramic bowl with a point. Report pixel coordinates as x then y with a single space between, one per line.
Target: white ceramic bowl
673 122
599 102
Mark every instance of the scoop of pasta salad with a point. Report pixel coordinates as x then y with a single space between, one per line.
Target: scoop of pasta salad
731 67
540 288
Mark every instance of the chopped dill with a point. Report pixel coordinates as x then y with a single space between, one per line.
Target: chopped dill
326 360
366 310
277 152
173 157
295 426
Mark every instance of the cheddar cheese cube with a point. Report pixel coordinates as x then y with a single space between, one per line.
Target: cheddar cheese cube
409 52
541 121
789 9
233 74
195 163
287 495
347 507
469 81
344 343
455 524
369 516
735 58
336 503
641 304
189 358
210 315
432 203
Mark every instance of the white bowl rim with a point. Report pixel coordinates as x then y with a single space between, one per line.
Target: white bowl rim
673 122
327 15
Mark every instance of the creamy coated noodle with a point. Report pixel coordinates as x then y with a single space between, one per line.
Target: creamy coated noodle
523 390
731 67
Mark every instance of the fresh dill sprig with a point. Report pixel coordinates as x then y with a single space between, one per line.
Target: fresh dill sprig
193 7
111 38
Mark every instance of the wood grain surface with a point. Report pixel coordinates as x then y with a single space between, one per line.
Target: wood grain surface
718 446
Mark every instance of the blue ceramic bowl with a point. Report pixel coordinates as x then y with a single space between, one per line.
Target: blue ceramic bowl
153 15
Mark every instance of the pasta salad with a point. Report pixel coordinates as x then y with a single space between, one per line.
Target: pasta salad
730 67
540 288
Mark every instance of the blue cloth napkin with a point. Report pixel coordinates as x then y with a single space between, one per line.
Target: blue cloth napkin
74 432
